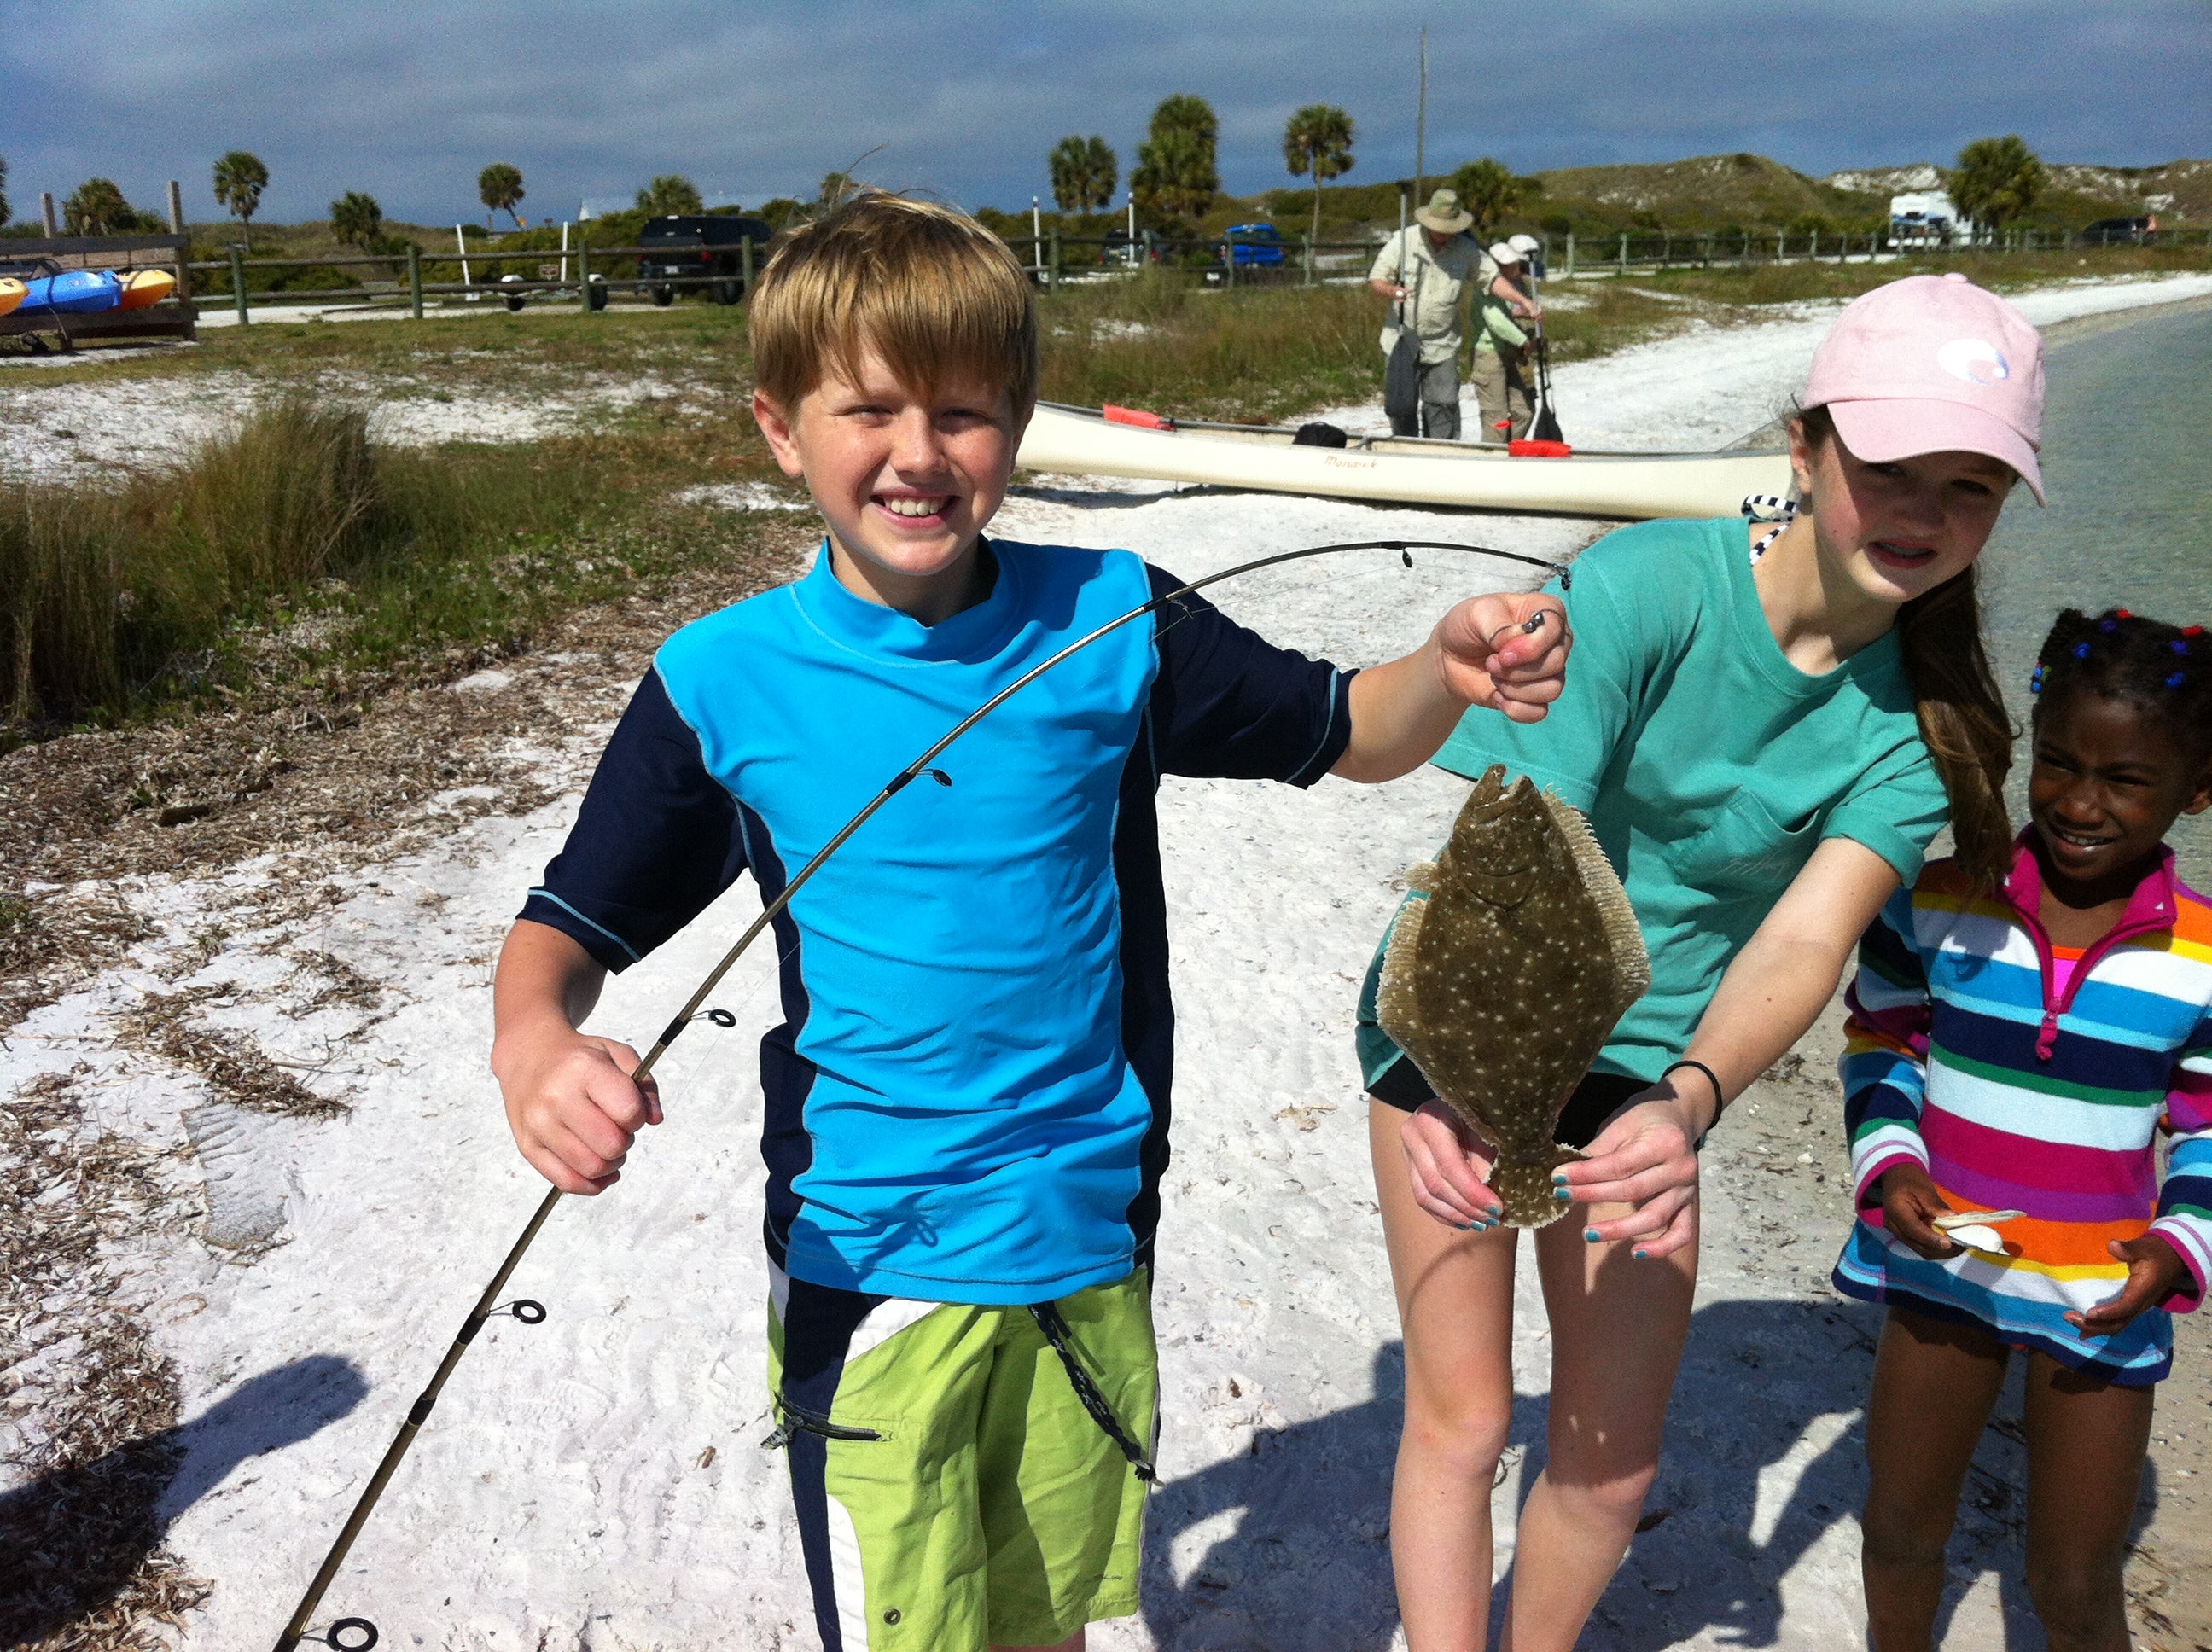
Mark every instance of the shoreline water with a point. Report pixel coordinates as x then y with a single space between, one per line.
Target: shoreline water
601 1472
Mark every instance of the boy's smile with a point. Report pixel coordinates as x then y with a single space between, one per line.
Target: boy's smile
905 479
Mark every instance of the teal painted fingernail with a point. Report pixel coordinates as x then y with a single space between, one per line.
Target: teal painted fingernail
1558 1178
1643 1255
1562 1195
1590 1233
1496 1213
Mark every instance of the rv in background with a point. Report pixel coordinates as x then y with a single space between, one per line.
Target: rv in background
1927 219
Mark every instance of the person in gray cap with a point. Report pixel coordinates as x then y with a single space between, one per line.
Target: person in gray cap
1501 390
1426 269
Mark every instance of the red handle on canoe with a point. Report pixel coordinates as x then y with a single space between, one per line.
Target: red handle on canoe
1525 449
1136 416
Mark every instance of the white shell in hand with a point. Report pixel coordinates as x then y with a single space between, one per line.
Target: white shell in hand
1975 1237
1952 1220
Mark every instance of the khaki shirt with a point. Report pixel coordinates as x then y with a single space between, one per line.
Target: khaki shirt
1437 282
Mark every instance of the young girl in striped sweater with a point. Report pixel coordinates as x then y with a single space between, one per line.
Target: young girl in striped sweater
2018 1049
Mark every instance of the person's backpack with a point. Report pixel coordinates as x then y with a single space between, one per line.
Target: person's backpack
1401 373
1401 377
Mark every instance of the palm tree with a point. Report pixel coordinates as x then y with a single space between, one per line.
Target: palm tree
1176 174
670 195
240 178
97 207
1084 174
1318 140
4 214
499 187
1996 180
356 219
1490 190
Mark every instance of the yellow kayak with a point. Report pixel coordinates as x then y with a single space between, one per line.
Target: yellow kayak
11 295
143 287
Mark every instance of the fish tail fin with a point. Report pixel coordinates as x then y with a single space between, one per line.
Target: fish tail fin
1524 1189
1624 935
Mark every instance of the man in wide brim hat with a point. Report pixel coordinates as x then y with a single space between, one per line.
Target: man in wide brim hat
1426 269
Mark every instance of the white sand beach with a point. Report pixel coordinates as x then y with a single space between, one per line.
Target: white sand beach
597 1481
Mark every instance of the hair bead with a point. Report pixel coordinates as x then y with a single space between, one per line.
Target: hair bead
2176 679
2080 651
2035 680
2109 626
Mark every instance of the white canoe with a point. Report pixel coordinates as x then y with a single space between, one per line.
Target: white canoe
1404 470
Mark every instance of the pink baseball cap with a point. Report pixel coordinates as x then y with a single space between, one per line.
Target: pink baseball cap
1933 364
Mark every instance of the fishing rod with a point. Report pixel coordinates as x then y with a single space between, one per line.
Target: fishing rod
359 1634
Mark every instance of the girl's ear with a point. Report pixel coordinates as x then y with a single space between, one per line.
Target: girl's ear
2200 794
1800 461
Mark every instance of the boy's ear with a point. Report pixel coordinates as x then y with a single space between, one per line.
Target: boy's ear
776 426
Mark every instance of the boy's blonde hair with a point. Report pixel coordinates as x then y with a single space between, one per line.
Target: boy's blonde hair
935 293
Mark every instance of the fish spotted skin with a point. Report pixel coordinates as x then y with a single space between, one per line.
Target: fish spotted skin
1503 980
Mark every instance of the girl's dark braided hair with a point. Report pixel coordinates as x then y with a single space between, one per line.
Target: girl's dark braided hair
2122 656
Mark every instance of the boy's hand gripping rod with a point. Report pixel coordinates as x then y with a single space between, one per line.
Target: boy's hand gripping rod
358 1634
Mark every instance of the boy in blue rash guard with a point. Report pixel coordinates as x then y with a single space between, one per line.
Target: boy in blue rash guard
967 1102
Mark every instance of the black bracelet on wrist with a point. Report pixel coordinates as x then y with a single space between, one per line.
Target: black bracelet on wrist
1720 1095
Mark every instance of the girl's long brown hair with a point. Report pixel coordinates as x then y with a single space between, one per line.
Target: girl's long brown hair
1962 715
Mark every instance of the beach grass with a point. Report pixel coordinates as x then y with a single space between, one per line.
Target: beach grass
293 542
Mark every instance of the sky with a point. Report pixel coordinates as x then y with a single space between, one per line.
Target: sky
966 98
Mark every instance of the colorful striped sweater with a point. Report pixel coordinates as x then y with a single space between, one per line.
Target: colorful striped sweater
2021 1085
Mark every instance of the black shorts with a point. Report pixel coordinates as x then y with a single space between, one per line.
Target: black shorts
1595 1101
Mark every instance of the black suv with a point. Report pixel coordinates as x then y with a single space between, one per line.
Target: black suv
702 245
2121 232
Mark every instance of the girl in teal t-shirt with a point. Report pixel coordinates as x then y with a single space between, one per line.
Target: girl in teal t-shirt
1766 728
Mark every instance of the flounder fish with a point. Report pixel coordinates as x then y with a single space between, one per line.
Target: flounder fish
1506 979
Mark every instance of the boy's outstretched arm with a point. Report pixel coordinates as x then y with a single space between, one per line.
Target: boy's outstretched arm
1508 653
569 1099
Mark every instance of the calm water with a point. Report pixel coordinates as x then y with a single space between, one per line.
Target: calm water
2127 463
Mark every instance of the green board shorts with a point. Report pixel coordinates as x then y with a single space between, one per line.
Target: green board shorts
951 1491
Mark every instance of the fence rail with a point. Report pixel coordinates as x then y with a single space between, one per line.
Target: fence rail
591 275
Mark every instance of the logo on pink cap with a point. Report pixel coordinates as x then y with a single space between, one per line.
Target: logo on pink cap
1975 360
1932 364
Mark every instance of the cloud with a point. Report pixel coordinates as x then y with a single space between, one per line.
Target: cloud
408 102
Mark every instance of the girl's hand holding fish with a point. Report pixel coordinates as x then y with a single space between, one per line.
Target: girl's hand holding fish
2155 1272
1447 1162
1646 1156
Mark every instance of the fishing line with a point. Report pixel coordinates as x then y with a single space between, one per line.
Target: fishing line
488 1304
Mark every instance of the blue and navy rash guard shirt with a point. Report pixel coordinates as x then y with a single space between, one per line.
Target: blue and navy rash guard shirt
968 1098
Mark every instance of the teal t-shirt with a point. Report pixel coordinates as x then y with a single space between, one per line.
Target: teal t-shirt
1709 765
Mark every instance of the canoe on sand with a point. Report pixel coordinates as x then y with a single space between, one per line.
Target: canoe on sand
1537 477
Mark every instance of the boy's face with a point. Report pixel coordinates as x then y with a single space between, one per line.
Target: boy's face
905 482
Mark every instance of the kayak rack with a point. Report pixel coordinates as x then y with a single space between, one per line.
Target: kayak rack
174 318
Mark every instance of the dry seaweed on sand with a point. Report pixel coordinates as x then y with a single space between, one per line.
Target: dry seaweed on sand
90 1406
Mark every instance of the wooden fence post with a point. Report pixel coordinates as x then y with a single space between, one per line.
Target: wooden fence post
746 264
183 268
46 211
415 280
1052 276
238 281
1706 251
1570 252
1624 252
583 271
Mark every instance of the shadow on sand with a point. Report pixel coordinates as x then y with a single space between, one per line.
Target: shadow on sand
1287 1548
76 1538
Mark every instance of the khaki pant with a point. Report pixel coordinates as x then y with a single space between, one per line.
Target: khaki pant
1439 414
1502 393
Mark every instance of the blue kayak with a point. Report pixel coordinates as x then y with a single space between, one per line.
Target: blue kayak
73 292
